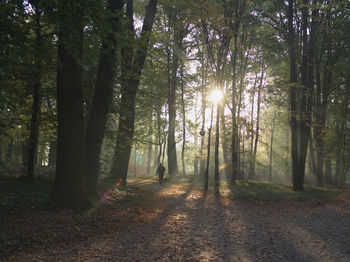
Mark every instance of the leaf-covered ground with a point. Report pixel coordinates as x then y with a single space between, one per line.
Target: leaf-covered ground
149 222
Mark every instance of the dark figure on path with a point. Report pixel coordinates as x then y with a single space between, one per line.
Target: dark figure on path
160 172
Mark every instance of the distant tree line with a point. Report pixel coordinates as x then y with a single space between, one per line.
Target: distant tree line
85 85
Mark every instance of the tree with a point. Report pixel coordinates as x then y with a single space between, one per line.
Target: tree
131 74
36 93
69 188
103 95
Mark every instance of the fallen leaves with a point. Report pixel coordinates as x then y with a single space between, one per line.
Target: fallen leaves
176 223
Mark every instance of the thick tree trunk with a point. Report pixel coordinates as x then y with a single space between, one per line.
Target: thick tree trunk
129 89
216 153
224 142
102 99
171 150
159 138
164 145
251 165
52 153
320 126
9 151
36 92
172 82
257 128
339 156
234 136
135 159
69 186
183 121
271 144
313 164
195 142
305 105
298 182
206 174
203 108
150 146
125 132
328 168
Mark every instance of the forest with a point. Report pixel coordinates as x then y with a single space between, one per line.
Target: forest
245 103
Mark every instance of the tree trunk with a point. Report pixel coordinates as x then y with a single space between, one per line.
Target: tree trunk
206 175
251 166
36 86
69 188
234 137
159 138
216 153
195 142
298 183
52 153
271 144
313 164
172 159
328 168
224 142
183 121
172 81
339 158
305 105
257 128
130 84
164 144
203 108
9 151
102 99
135 160
150 146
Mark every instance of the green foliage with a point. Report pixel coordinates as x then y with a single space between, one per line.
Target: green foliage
264 191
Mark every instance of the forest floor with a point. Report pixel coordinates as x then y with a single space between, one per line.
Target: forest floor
177 222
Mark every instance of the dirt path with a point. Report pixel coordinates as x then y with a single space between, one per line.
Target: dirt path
177 223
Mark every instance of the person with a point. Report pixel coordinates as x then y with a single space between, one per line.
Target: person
160 172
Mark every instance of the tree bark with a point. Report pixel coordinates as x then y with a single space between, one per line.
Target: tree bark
69 188
150 145
298 182
252 128
271 144
129 89
9 151
102 99
206 174
195 142
52 153
36 92
224 142
216 153
183 121
172 82
203 108
159 136
257 128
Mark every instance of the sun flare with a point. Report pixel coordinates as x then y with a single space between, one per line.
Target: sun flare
216 96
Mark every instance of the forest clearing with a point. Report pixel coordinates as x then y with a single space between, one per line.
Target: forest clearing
181 222
174 130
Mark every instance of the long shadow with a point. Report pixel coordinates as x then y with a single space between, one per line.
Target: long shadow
331 228
231 243
151 189
265 242
144 240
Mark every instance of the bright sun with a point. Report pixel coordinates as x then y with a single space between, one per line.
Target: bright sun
216 96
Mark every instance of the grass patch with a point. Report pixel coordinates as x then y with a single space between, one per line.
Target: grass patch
17 195
256 190
274 192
